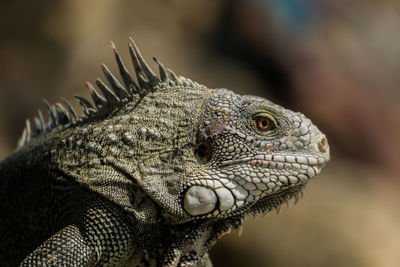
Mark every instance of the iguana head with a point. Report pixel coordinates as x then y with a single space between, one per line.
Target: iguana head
224 155
253 155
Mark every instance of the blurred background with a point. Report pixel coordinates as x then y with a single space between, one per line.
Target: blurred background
337 61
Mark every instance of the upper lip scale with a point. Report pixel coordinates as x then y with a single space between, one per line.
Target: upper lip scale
310 161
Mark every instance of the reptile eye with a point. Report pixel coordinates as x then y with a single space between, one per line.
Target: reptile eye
264 123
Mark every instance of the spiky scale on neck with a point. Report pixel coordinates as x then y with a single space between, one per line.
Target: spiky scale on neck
105 103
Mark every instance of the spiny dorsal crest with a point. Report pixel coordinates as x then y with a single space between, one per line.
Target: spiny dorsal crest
109 98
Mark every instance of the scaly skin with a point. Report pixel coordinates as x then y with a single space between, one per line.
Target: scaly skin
153 174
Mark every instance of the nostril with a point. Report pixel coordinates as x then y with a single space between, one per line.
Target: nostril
322 145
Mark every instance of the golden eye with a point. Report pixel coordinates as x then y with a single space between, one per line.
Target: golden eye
264 123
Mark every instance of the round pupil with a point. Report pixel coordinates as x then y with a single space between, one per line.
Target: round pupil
265 122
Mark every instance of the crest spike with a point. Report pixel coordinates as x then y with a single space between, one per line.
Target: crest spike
98 99
115 84
52 115
87 107
153 79
41 119
70 110
143 82
63 116
174 77
125 75
163 72
91 111
28 130
107 92
37 128
22 140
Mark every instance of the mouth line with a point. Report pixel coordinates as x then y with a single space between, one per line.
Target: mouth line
266 160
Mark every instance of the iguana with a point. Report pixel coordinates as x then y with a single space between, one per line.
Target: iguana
151 174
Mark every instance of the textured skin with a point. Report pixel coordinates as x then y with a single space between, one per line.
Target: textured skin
153 179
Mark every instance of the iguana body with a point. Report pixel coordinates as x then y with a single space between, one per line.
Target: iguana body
152 174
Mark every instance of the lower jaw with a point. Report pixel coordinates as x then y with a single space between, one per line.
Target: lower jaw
274 201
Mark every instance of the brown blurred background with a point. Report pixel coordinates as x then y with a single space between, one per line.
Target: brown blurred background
337 61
